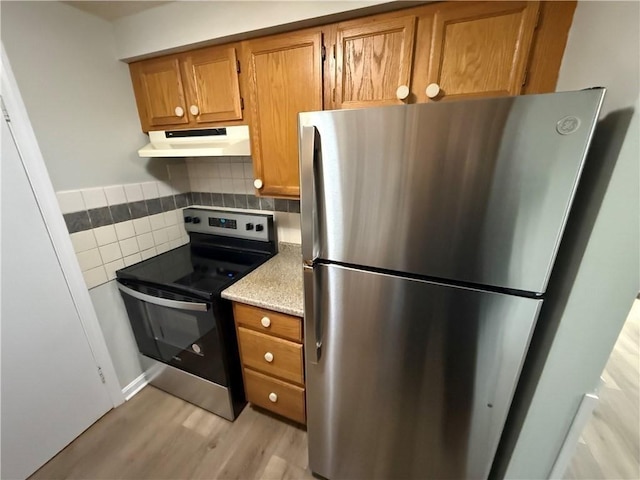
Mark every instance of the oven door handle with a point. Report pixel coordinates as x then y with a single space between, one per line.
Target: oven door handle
164 302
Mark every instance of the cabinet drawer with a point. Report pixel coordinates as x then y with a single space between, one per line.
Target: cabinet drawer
271 355
279 397
279 324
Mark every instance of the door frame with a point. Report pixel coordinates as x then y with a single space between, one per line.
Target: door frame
45 196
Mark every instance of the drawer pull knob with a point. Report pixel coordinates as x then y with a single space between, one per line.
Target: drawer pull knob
266 322
257 183
273 397
268 357
432 90
179 111
194 110
402 92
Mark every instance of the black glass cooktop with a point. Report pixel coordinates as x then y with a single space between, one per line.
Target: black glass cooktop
196 269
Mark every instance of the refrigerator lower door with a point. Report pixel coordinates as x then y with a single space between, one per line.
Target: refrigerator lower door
408 378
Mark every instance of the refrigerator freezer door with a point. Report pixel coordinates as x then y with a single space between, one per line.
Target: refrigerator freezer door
476 191
415 378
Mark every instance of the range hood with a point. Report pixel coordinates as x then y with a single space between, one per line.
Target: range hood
204 142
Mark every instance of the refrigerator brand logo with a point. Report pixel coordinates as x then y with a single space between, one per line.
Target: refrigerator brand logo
568 125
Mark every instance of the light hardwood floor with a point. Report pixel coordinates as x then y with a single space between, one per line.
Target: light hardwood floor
610 443
158 436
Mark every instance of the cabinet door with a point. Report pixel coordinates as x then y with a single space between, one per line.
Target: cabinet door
211 75
373 59
159 93
285 78
480 49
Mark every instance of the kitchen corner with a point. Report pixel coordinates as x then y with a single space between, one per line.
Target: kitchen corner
268 311
168 288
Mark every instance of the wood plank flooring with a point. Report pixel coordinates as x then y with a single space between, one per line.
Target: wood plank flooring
158 436
610 443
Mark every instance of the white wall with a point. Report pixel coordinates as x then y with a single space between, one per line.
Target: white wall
600 276
190 22
78 96
603 50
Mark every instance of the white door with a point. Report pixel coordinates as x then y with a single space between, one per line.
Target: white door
51 389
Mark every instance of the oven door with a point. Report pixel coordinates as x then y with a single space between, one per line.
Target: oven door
176 329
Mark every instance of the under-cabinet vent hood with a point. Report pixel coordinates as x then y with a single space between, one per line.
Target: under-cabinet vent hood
205 142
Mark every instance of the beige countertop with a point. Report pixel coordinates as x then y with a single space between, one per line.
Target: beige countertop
276 285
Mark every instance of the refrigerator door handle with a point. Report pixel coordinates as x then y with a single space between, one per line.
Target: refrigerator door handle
313 324
309 146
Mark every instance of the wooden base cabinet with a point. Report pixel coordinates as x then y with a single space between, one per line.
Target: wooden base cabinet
272 359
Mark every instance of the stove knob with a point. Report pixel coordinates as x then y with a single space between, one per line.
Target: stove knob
249 226
188 219
259 228
196 220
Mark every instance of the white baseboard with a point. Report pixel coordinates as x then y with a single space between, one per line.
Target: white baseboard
135 386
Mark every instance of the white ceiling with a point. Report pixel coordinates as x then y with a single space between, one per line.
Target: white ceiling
114 10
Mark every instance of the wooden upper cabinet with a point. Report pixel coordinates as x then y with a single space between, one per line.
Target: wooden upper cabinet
159 92
373 59
285 78
211 76
194 89
480 49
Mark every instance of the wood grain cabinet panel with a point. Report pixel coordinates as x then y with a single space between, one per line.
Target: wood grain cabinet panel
268 321
481 49
285 359
279 397
285 78
550 39
212 78
202 84
373 59
159 91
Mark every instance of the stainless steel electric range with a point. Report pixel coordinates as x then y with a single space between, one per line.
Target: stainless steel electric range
178 317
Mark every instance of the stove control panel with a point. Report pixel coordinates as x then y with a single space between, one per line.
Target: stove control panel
252 226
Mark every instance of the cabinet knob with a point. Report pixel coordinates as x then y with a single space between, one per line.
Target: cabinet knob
402 92
179 111
266 322
432 90
194 110
268 357
273 397
257 183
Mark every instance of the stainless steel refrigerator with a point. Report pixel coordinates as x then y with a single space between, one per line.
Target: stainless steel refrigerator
429 233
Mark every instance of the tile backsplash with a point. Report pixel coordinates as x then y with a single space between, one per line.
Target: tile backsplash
228 182
115 226
220 174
